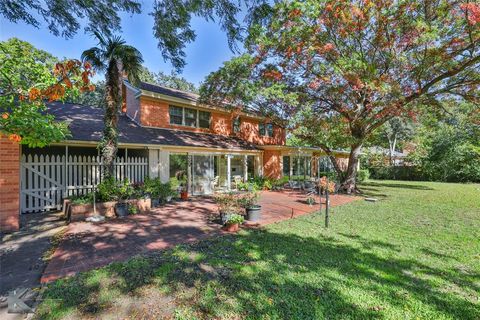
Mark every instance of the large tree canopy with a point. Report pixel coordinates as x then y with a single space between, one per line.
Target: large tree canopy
172 18
352 65
28 78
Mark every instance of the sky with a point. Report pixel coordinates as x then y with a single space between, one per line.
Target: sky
204 55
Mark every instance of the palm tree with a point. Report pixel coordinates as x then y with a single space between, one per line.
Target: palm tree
115 58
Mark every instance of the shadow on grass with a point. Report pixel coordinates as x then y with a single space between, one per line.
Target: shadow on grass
261 274
397 185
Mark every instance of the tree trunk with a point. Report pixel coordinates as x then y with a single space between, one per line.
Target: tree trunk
109 144
348 182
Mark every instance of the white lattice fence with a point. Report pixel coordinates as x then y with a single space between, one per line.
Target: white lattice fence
47 179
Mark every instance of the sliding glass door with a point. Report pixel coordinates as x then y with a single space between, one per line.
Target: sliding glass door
202 174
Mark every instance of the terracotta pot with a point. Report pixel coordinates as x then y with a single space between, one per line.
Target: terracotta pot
184 195
231 227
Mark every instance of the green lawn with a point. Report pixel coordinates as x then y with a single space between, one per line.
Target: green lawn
415 254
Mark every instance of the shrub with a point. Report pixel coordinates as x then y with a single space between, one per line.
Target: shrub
107 190
363 175
228 202
235 218
82 199
248 199
411 173
132 209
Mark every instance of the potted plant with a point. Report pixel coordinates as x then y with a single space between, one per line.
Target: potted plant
183 192
233 222
249 202
228 204
123 193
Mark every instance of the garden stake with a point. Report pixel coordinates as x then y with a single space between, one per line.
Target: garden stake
326 205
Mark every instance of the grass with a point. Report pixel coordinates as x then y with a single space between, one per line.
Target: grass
414 254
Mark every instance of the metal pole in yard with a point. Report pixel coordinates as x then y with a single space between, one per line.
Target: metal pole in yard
327 205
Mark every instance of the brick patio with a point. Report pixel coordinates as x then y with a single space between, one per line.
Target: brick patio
87 246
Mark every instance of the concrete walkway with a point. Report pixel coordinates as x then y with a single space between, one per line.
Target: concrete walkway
21 255
87 246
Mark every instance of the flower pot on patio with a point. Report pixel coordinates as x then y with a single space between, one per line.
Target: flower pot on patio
232 227
184 195
155 203
254 213
121 209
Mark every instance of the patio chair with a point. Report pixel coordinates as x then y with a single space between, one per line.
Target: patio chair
237 180
294 185
215 182
309 187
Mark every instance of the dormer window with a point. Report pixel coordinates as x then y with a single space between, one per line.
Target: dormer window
204 119
265 129
269 129
189 117
176 115
236 124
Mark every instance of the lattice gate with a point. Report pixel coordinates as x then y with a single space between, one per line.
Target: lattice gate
47 179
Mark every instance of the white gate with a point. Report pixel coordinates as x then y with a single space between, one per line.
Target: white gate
47 179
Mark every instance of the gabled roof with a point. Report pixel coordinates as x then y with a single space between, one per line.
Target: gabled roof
86 124
169 91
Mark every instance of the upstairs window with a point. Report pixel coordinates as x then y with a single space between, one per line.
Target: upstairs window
261 129
176 115
236 124
204 119
190 117
265 129
269 129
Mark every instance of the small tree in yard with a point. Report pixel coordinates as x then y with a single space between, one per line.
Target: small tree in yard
113 57
341 69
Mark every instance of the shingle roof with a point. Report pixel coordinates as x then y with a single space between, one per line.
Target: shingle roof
86 124
169 91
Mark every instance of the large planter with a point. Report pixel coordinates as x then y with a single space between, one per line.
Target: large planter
143 205
78 212
231 227
254 213
155 203
184 195
121 209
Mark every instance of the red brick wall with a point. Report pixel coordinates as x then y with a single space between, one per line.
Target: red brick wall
132 104
154 113
272 167
9 184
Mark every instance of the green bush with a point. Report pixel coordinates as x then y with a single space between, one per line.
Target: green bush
331 175
363 175
107 190
235 218
411 173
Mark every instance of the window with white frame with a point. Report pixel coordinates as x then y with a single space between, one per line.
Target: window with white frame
204 119
189 117
176 115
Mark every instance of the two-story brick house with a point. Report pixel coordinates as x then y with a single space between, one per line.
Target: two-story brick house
163 133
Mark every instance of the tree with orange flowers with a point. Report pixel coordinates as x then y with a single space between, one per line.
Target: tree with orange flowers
28 79
340 69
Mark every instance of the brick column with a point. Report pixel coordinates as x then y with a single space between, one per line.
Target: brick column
272 167
9 185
